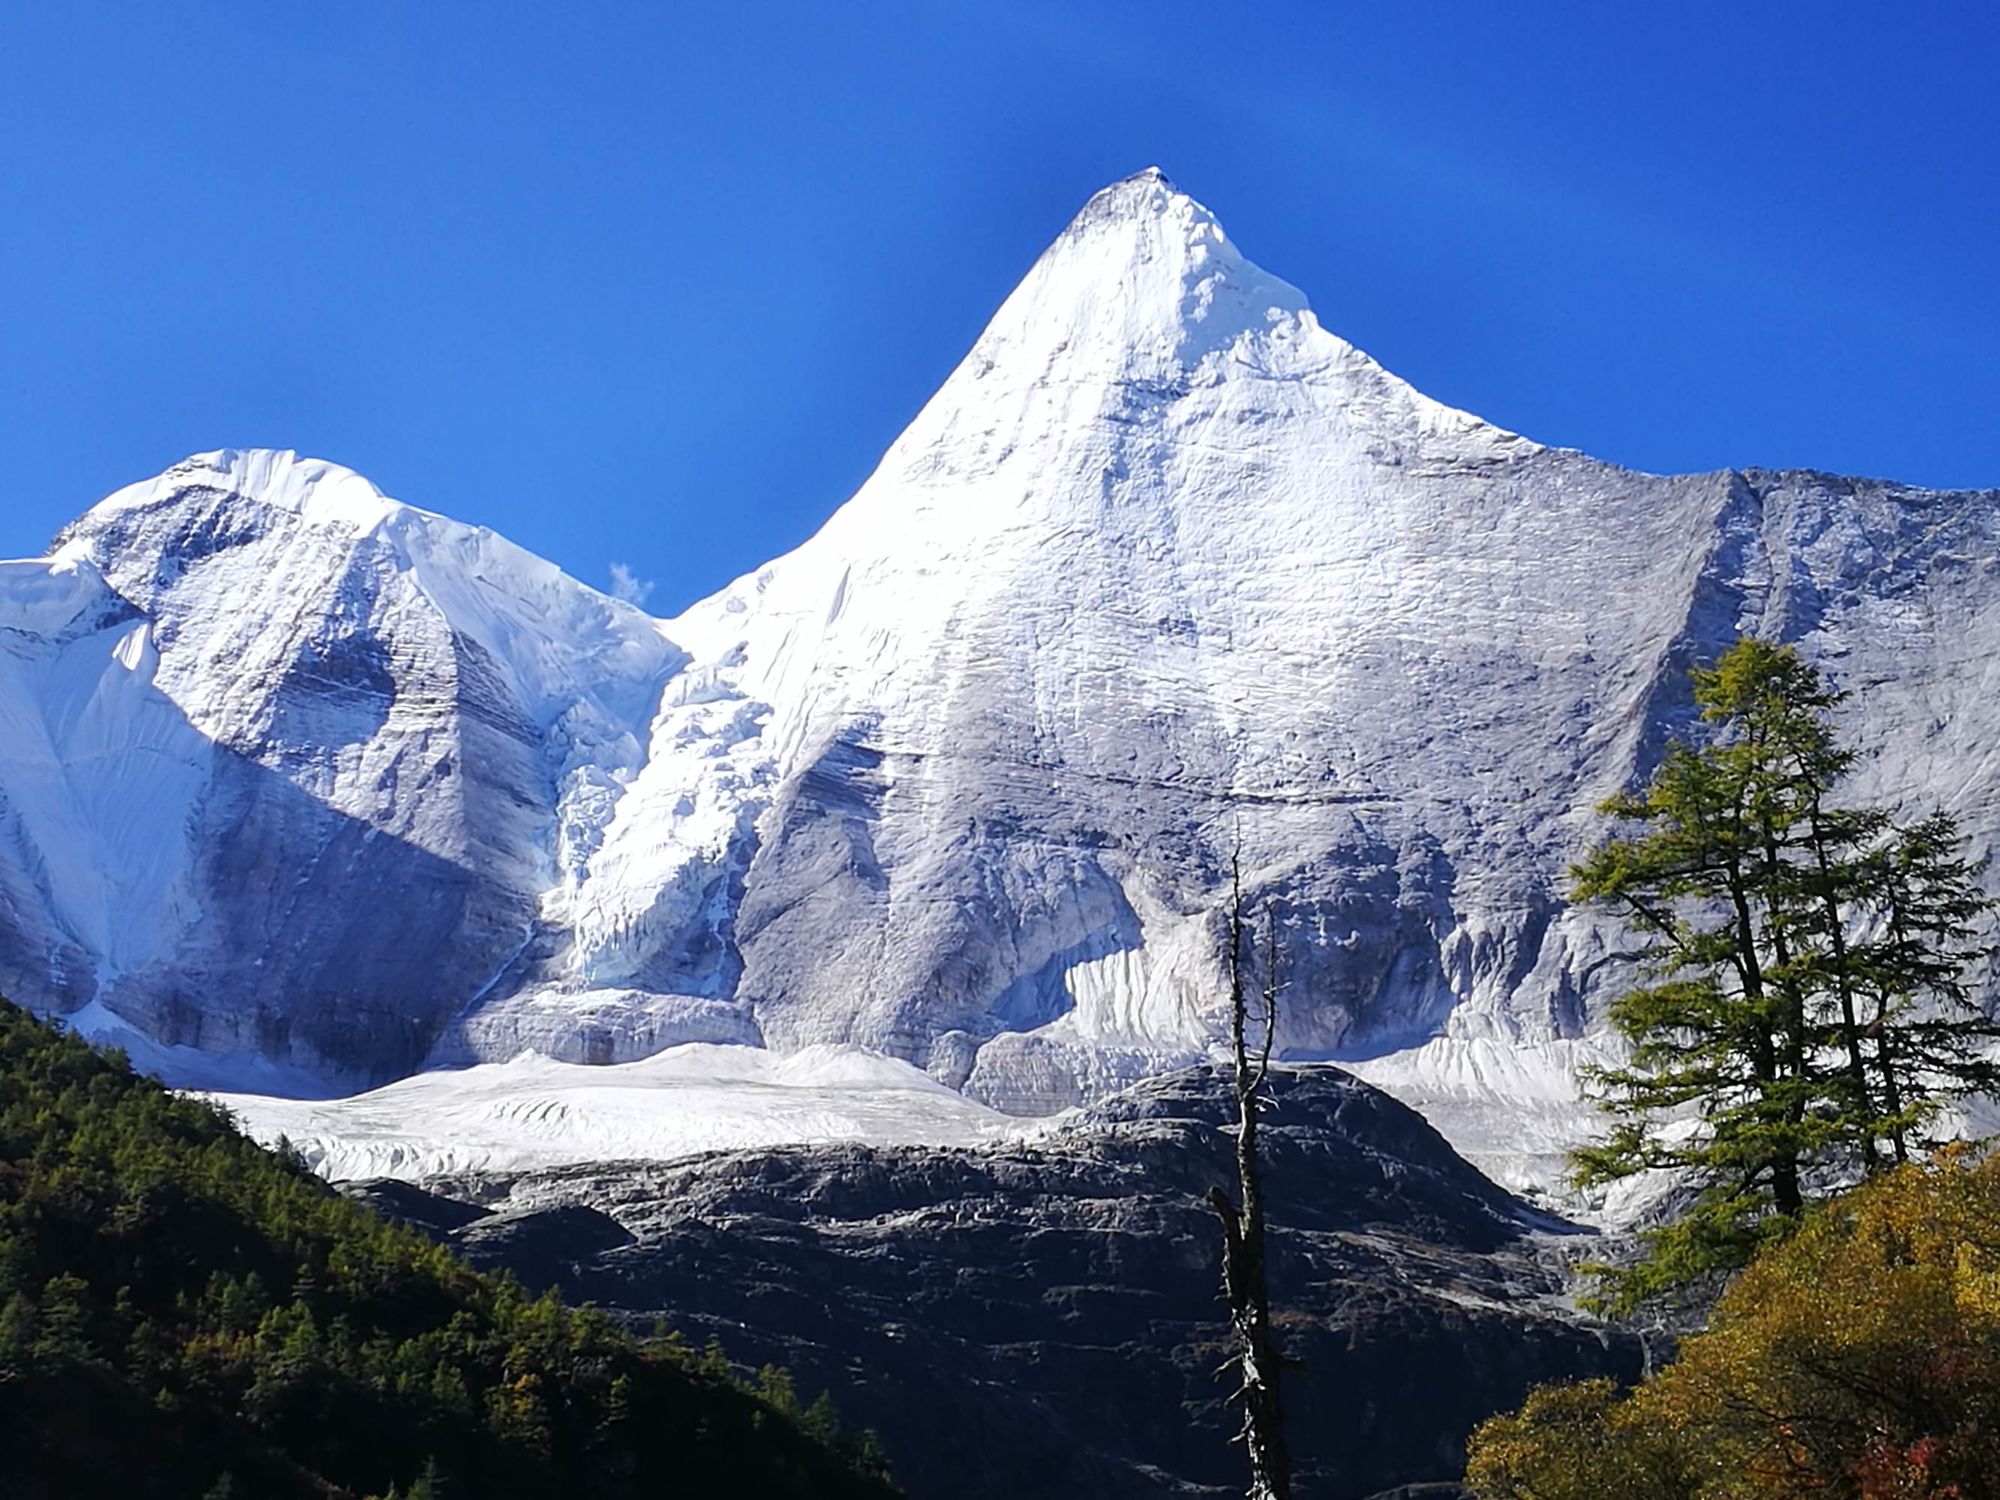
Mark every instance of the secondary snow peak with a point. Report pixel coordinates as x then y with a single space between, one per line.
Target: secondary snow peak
317 492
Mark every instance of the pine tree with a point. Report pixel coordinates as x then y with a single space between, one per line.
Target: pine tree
65 1319
820 1420
774 1386
18 1317
1805 1010
1926 1038
429 1483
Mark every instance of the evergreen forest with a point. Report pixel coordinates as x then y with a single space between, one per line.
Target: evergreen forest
186 1314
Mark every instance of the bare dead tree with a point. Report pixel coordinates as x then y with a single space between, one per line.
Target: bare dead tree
1244 1283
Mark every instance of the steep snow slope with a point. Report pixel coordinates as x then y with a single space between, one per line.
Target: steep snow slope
98 768
1163 565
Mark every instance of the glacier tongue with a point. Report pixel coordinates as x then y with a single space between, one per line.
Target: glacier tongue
537 1112
292 771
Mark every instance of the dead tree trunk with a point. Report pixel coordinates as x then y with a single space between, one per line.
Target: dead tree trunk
1243 1275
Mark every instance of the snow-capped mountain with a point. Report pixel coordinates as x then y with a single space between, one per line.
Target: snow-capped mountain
298 774
290 769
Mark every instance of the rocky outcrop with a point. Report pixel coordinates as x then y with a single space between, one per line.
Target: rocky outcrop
1042 1319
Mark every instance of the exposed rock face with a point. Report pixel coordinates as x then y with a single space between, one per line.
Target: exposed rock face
1043 1318
297 772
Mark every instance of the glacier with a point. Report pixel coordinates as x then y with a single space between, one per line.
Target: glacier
534 1112
306 791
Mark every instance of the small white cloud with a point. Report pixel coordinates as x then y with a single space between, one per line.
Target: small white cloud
629 586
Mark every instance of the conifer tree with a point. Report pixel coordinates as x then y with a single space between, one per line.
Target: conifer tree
1927 1040
1806 1008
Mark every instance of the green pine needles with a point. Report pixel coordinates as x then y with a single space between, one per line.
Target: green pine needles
1806 1012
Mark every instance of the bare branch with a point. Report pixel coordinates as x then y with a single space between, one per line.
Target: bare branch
1244 1280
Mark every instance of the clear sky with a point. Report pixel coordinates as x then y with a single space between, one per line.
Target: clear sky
655 284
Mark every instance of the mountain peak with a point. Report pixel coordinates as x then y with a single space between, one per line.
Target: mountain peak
1144 191
1143 278
1145 201
319 493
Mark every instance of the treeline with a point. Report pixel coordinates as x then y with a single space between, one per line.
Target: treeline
183 1313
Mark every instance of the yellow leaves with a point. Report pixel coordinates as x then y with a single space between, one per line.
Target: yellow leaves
1570 1442
1859 1358
517 1411
1976 1283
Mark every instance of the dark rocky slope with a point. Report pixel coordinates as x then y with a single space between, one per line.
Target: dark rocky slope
1042 1319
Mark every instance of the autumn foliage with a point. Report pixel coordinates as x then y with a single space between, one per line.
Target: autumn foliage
1860 1359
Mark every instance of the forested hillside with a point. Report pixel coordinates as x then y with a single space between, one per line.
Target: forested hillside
183 1313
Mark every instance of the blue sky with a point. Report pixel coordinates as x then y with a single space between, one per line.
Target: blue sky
656 284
